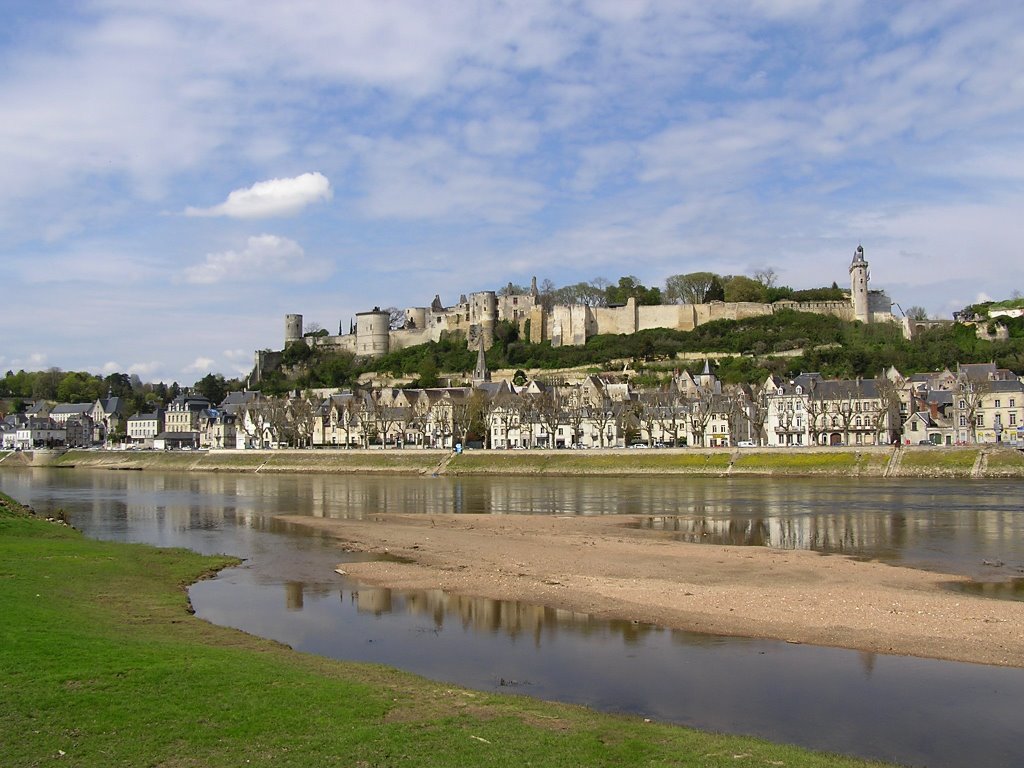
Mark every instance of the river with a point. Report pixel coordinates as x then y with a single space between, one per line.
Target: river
914 711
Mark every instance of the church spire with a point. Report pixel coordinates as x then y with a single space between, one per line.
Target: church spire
480 373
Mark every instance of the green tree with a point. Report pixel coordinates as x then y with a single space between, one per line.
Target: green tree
742 288
78 387
212 387
428 372
629 287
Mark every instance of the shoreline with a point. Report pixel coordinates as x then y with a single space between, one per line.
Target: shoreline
602 567
978 461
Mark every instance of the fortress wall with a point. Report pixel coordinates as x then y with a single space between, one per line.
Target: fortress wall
676 316
701 314
615 319
720 310
408 337
345 343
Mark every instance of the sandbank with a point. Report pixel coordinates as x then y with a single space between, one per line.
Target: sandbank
605 567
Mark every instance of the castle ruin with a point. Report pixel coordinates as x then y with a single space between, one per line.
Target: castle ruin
477 315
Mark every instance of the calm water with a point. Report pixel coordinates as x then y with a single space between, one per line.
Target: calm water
918 712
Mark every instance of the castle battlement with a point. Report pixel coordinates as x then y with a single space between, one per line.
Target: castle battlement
477 315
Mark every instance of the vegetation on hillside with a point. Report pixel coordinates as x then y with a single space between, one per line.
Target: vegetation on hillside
785 343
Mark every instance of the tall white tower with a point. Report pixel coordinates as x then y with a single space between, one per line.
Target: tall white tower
859 286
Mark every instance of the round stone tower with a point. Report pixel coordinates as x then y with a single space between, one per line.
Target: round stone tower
416 317
859 286
372 330
292 328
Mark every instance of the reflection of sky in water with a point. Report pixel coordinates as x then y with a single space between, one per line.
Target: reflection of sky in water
916 711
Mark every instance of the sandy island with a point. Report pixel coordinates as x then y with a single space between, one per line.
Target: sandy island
606 568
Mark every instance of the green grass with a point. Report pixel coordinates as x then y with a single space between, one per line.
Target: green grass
633 462
101 665
405 461
1006 462
800 461
949 460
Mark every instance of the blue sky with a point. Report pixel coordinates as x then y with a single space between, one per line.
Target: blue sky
177 176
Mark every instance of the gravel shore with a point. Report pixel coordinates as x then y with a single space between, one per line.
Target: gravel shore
605 567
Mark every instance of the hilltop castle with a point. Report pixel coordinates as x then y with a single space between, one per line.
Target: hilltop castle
476 316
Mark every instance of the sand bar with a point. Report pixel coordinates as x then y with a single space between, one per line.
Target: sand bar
605 567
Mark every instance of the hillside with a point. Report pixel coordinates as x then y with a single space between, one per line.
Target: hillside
785 343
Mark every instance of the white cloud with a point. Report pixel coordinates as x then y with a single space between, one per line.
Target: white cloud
202 365
502 136
264 256
109 368
145 369
428 178
275 197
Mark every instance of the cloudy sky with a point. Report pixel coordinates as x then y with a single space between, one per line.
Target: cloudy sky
177 176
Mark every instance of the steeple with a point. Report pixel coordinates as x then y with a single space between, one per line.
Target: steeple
480 373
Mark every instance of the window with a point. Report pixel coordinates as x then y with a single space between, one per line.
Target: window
963 421
998 404
980 421
963 404
1013 403
1013 419
913 426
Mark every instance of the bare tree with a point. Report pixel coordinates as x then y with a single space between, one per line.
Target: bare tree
886 418
279 420
303 413
969 396
755 411
700 411
674 415
547 405
766 277
396 318
693 288
816 408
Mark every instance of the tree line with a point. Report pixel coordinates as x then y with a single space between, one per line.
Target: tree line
688 288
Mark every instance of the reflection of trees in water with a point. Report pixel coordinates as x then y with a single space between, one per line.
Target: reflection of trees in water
511 617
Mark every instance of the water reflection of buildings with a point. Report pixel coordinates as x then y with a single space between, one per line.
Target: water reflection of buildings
482 614
969 521
851 533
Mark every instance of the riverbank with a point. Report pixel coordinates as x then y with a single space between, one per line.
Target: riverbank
103 665
614 568
988 461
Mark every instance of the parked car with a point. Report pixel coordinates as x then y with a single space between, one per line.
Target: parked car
746 444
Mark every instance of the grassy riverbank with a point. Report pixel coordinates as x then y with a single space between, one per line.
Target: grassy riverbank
101 665
911 461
